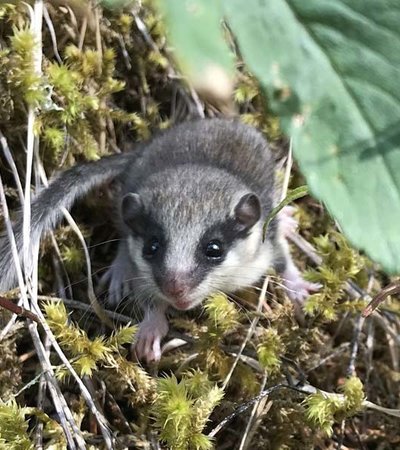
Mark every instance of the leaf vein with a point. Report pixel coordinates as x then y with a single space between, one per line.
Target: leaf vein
335 69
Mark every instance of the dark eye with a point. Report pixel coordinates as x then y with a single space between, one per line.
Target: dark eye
214 249
151 247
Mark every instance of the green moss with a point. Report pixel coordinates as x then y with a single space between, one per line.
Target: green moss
324 410
24 82
182 409
221 313
269 350
14 434
340 264
91 355
111 88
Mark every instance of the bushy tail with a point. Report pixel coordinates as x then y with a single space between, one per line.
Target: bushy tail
62 192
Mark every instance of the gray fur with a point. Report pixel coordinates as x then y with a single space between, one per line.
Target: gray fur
189 178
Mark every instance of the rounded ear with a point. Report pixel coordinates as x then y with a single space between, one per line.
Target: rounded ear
132 209
248 210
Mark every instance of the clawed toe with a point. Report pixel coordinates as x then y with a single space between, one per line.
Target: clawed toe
301 292
298 289
148 348
152 330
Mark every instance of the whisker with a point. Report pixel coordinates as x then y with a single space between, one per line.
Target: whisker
82 280
104 242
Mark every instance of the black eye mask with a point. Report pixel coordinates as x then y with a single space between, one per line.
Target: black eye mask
213 246
217 240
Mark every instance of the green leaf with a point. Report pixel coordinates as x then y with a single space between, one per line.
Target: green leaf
330 71
195 32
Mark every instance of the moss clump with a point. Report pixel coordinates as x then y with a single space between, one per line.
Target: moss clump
14 434
108 354
324 410
222 318
108 82
340 264
23 79
182 409
270 349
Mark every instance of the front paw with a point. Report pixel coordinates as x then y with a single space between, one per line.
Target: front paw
300 289
151 332
297 288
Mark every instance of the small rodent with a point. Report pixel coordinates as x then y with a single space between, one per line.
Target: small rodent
192 203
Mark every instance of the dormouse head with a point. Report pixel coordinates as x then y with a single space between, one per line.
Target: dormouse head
189 240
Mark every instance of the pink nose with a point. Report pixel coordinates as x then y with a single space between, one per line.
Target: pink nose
176 285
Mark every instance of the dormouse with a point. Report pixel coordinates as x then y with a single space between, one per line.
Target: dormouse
191 207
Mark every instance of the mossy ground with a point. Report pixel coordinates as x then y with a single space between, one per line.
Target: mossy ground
108 82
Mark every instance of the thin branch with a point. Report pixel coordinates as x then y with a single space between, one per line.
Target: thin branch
65 414
36 28
354 346
52 32
244 407
250 331
85 393
302 389
254 417
75 304
18 310
58 399
391 289
41 398
13 167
